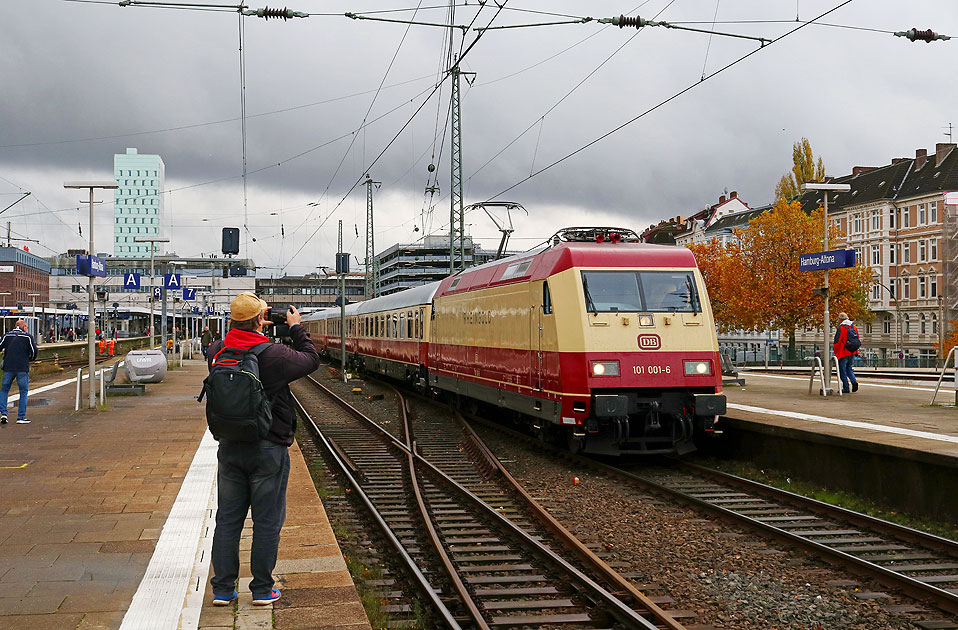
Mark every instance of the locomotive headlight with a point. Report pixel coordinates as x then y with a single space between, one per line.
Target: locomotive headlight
698 368
605 368
646 320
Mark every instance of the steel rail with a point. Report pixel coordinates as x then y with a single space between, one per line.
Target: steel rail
567 538
915 588
450 568
938 543
411 565
944 599
616 607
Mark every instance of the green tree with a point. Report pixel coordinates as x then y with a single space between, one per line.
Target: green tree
804 169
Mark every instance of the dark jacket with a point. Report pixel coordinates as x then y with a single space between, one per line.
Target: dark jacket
207 338
279 366
19 349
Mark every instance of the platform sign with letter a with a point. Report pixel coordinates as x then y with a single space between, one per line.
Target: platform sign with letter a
131 281
189 294
171 280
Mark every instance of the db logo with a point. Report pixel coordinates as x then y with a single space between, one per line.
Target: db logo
649 342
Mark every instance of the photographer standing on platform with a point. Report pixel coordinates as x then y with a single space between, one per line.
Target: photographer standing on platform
19 349
253 457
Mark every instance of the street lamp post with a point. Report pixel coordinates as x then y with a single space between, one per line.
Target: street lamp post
33 311
826 355
152 241
91 314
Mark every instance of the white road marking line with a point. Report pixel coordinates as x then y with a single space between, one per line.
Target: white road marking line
31 392
159 600
944 386
848 423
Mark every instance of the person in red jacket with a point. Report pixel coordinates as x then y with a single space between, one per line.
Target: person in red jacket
846 347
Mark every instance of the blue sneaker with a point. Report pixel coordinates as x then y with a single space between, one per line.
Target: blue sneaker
224 600
269 599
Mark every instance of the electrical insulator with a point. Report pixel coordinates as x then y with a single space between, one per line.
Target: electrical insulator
623 21
926 36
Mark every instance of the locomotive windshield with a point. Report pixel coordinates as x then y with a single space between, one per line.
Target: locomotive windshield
640 291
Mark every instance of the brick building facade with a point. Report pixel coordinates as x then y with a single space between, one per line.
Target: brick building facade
21 275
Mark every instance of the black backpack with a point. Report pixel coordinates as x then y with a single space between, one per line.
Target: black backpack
852 341
236 404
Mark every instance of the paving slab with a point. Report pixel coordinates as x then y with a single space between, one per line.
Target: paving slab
903 406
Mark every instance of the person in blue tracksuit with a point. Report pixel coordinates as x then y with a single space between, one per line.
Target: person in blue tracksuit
19 348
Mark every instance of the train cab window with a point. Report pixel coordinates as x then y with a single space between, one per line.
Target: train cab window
640 291
546 299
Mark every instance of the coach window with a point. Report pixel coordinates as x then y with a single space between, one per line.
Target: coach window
395 326
546 299
409 322
402 325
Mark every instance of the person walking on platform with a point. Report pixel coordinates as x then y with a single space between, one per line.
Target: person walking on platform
19 348
252 475
206 340
846 345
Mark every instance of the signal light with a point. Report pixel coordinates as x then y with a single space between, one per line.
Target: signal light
599 238
615 237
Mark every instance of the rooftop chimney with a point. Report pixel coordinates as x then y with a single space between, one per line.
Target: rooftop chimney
921 156
721 199
942 149
858 170
897 160
733 194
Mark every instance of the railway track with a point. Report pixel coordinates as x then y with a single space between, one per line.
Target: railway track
483 552
922 565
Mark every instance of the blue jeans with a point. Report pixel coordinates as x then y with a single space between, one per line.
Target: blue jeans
846 373
251 476
23 383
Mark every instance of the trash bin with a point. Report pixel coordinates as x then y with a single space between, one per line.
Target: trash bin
145 366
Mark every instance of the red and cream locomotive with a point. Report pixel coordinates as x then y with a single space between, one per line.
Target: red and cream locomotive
597 340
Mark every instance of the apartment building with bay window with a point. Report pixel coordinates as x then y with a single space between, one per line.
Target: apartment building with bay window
896 219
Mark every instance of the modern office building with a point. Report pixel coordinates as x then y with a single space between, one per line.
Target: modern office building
311 291
137 203
406 265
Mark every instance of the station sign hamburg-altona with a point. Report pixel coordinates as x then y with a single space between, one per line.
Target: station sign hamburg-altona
835 259
91 266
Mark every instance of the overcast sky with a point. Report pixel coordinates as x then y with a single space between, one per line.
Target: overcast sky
84 80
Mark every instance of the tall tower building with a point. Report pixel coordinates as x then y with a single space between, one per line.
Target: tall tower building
137 203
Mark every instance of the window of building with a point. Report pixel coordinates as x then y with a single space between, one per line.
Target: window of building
876 254
858 224
933 249
921 324
922 215
922 286
876 220
906 320
934 324
886 325
891 218
906 252
906 288
876 292
892 249
868 329
904 217
922 250
933 211
933 288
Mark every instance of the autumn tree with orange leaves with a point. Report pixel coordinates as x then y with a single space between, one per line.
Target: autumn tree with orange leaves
754 282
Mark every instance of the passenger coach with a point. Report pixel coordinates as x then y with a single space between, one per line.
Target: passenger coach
603 343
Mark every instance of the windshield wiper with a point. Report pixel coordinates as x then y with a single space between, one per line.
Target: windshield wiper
588 297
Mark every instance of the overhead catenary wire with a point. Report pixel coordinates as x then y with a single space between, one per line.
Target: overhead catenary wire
666 101
390 143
